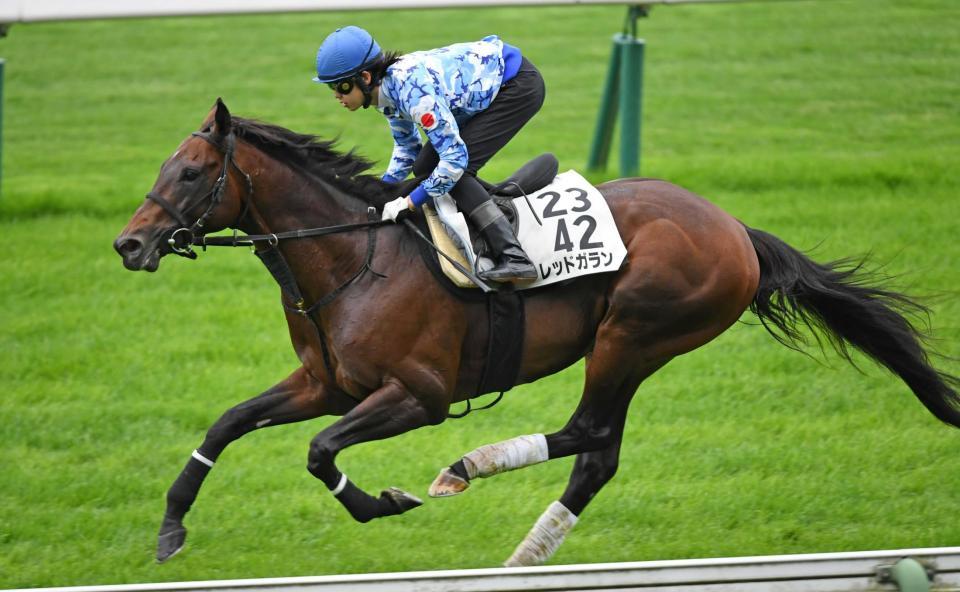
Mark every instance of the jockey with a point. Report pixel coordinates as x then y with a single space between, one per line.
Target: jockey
469 99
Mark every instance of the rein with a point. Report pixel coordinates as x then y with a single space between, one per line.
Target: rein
249 240
195 238
273 258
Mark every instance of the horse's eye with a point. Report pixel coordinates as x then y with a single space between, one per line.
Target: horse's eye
189 174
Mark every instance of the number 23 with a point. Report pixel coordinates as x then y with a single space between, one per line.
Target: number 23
551 210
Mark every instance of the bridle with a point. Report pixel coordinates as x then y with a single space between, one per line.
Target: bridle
183 238
190 235
193 235
271 256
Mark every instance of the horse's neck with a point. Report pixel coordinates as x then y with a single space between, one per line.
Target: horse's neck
284 201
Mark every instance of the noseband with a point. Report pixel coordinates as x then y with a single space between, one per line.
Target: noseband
183 238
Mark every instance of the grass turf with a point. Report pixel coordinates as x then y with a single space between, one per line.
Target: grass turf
831 124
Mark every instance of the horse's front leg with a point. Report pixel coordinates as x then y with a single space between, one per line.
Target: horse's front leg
297 398
389 411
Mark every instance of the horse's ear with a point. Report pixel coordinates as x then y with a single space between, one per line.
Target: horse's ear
222 121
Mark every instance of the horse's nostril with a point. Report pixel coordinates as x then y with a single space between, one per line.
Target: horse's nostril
128 246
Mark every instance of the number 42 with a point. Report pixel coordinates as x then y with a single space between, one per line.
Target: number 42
563 242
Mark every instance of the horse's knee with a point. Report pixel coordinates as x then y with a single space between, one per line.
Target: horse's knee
320 460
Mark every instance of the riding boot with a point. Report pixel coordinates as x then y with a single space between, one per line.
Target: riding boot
512 263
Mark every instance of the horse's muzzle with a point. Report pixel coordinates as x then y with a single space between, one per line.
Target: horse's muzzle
136 253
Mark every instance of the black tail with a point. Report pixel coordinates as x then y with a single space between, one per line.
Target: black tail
795 291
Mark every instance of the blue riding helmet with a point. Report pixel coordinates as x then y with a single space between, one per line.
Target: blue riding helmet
345 52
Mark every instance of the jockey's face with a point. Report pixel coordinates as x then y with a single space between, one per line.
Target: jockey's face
349 93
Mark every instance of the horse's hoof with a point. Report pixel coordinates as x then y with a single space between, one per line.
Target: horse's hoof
448 483
401 499
170 543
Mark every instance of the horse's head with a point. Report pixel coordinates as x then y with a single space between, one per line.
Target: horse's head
200 189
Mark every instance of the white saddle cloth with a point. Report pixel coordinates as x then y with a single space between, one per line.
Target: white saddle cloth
566 229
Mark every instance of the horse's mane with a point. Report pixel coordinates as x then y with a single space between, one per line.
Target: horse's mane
317 157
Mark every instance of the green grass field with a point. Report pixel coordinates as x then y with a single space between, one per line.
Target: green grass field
834 124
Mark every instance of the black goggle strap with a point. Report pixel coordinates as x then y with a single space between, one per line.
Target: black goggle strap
369 49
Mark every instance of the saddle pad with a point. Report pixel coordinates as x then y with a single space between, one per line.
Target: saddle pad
566 229
441 238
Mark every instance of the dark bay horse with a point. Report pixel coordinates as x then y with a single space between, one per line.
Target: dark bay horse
389 349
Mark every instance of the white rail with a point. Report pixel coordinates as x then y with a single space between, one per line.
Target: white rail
25 11
830 572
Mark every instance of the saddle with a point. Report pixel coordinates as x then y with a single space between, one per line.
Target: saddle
531 177
536 174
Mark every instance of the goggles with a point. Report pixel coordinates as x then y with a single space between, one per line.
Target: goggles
343 86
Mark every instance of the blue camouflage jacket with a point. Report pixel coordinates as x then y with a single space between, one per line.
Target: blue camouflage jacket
440 90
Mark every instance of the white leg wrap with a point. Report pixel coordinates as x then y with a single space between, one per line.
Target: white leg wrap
340 486
195 454
505 456
544 538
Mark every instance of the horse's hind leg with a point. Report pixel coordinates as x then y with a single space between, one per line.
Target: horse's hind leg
612 378
591 471
297 398
594 432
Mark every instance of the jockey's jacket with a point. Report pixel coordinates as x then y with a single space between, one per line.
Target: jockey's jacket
440 90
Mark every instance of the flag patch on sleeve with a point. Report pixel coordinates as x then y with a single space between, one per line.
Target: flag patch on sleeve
428 121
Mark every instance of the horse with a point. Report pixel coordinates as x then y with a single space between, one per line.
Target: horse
386 348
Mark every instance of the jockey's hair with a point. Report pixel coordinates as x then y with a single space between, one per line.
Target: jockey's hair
379 68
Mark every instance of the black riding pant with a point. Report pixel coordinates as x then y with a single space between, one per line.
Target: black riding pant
487 132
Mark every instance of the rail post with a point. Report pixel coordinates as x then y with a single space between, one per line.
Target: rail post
607 117
623 92
631 89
